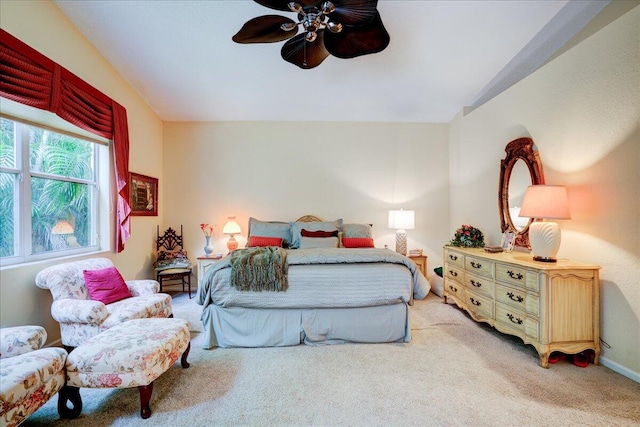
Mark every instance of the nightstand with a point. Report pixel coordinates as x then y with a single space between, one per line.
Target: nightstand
205 262
421 262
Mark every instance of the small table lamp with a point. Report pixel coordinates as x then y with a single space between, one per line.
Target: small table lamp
231 228
62 233
401 221
550 202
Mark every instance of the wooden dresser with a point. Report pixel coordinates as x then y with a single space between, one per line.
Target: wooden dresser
552 306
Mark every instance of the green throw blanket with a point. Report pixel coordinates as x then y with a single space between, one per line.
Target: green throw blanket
259 269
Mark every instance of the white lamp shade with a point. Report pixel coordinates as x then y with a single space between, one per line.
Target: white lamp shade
545 201
402 220
231 227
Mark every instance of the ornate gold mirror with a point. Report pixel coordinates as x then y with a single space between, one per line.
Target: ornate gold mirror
520 168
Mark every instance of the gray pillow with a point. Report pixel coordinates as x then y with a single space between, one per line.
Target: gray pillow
318 242
357 230
271 229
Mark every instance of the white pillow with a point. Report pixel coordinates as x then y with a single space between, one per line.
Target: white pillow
318 242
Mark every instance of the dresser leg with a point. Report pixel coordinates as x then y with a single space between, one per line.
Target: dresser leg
543 354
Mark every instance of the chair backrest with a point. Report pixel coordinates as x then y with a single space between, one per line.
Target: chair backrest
169 240
67 280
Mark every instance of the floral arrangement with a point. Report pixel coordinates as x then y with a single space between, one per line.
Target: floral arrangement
207 229
468 236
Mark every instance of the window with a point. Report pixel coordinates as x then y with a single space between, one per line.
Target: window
49 193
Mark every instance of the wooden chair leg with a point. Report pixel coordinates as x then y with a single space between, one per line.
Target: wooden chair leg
183 359
145 398
72 395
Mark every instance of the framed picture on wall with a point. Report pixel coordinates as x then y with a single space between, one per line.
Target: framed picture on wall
144 195
508 240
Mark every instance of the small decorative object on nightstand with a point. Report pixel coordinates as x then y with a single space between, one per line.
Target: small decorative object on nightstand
421 262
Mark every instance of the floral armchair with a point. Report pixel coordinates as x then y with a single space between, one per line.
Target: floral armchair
29 375
80 317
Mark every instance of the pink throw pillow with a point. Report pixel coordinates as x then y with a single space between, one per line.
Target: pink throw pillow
106 285
357 242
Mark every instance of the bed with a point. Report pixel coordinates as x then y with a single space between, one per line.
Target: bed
332 294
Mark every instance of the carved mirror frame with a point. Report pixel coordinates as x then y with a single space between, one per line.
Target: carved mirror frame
518 149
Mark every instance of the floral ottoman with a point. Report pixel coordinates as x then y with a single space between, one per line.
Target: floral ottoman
131 354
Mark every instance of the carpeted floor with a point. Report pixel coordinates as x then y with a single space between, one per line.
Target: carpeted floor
454 372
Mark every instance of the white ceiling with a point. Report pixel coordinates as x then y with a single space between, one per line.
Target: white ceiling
443 55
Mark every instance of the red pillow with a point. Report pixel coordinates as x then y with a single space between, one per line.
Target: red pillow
106 285
357 242
264 241
319 233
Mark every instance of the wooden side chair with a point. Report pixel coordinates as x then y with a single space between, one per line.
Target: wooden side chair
172 264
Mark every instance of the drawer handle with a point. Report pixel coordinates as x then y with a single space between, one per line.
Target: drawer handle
517 276
516 298
453 273
476 264
516 320
453 288
474 302
476 284
453 257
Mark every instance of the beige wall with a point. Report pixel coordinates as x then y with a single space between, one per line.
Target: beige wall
583 112
44 27
281 171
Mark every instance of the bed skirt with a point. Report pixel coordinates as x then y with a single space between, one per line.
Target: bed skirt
256 327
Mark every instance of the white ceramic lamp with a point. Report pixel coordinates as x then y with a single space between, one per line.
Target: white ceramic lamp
545 202
231 228
401 221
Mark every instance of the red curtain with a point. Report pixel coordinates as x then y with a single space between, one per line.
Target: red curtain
28 77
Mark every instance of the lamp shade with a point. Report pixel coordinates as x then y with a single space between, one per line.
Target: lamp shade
402 220
545 201
62 227
231 227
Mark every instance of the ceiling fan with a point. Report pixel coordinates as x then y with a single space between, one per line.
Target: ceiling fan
342 28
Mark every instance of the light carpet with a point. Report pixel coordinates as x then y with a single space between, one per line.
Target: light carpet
454 372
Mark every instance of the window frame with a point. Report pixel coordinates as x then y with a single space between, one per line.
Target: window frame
98 187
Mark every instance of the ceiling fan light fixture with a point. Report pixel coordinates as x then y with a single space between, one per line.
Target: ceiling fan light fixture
295 7
334 27
288 26
327 7
353 28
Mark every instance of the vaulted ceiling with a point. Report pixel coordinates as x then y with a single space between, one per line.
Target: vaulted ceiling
443 56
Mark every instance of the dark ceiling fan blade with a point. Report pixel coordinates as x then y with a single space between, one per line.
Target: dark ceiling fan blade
305 54
357 41
265 29
284 4
354 12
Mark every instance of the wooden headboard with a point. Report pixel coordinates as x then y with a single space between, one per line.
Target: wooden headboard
309 218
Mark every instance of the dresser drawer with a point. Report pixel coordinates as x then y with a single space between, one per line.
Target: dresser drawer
453 273
516 320
479 305
454 288
454 258
511 296
511 274
479 266
480 285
